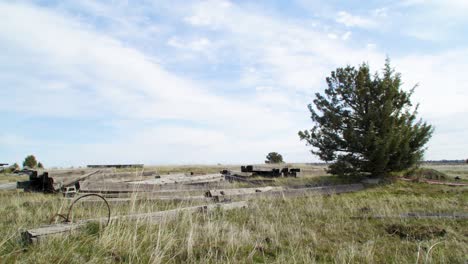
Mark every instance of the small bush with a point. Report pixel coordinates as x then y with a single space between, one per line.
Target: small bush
425 173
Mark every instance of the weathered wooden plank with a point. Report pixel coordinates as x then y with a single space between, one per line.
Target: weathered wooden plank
187 191
335 189
149 198
41 233
126 176
68 173
115 166
8 186
242 174
251 181
291 192
72 181
171 179
418 215
122 187
241 191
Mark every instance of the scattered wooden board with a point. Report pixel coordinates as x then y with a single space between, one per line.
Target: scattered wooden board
248 193
241 191
251 181
68 182
124 187
173 179
418 215
41 233
153 198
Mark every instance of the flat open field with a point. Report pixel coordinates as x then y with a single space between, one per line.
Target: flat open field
361 227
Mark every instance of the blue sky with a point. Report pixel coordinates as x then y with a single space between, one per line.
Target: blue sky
190 82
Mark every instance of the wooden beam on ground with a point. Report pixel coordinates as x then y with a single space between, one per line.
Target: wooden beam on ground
116 166
72 181
248 193
149 198
41 233
242 179
126 176
242 174
241 191
173 179
124 187
68 172
187 191
417 215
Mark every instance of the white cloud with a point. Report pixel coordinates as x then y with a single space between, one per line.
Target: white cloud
346 35
350 20
295 56
459 5
380 12
87 74
199 44
332 36
209 13
442 89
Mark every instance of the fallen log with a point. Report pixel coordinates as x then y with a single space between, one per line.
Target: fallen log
41 233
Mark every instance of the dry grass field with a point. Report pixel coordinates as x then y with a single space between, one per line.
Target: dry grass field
314 229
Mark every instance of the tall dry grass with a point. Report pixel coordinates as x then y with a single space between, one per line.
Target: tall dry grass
314 229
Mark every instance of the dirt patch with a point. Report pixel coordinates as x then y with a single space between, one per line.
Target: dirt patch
416 232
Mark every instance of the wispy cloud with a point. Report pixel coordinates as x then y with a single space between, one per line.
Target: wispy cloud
350 20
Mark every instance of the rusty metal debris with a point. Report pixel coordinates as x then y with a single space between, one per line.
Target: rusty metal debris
67 218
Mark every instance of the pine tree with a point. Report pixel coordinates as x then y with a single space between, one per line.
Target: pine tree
366 124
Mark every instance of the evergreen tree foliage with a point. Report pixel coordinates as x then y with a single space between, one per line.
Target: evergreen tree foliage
40 166
30 161
366 124
274 157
